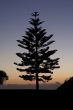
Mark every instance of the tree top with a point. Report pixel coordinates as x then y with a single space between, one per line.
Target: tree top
35 14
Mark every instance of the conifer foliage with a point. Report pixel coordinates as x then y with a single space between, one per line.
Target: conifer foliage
36 56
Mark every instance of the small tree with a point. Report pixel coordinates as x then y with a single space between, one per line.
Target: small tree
36 55
3 77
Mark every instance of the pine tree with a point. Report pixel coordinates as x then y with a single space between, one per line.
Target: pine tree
36 56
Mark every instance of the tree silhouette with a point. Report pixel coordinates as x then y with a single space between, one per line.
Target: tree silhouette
36 55
3 77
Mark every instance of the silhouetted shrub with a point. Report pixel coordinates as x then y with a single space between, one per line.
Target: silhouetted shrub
3 77
67 85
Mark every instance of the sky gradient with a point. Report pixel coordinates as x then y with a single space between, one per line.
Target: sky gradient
58 17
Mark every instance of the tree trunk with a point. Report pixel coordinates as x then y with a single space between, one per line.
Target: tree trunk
37 83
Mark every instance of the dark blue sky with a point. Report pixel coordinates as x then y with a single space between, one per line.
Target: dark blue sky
58 17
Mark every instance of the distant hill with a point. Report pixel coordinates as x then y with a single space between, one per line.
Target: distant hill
30 86
67 85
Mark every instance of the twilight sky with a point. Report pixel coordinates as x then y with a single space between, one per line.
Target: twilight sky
58 17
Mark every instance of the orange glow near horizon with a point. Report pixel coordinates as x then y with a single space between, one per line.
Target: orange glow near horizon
59 75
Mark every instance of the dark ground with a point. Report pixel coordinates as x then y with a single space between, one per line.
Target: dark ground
34 93
32 99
